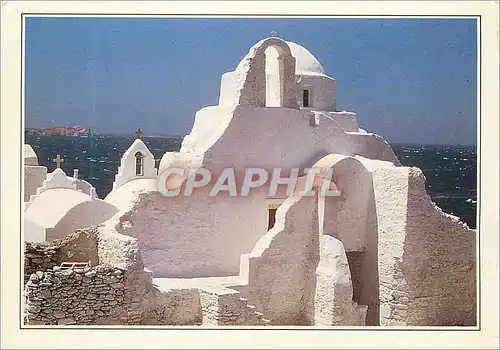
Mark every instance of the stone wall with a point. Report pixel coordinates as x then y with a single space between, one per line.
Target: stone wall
80 246
115 289
77 296
174 307
38 257
226 307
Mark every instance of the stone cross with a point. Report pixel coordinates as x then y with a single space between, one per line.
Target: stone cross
138 133
274 34
58 160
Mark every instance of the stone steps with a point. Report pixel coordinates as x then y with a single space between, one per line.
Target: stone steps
224 306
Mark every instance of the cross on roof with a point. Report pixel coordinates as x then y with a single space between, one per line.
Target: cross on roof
274 34
138 133
58 160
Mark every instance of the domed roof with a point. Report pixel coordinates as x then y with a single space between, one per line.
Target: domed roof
49 207
306 63
62 211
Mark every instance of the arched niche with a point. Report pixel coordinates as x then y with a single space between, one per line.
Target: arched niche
253 89
351 219
139 163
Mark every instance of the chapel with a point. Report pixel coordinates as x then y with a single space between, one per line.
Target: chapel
377 253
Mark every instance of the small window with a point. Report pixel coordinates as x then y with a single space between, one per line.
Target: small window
271 218
139 165
305 98
271 215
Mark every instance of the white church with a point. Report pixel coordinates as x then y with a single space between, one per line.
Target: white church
378 253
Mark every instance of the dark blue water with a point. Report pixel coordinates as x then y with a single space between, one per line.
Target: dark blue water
450 170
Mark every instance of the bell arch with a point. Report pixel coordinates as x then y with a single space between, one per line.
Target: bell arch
253 89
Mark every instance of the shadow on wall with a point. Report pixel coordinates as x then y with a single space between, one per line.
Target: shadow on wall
81 216
351 218
283 262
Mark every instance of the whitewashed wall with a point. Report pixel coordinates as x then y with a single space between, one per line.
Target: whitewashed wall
127 170
33 179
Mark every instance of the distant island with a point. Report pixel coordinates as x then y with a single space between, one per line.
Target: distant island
76 130
82 131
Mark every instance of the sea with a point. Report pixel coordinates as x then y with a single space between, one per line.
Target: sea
450 171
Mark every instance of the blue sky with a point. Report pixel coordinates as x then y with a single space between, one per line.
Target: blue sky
409 80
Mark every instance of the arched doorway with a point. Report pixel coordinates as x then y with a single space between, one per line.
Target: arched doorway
351 218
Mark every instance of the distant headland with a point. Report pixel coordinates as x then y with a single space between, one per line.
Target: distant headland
76 130
82 131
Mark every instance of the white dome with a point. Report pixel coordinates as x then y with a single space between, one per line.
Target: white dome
306 63
63 210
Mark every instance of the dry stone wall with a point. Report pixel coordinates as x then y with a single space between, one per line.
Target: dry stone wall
114 289
102 293
75 296
80 246
38 257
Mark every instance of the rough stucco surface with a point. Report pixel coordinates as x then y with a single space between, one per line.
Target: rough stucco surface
252 131
347 120
251 87
426 258
372 146
210 246
321 92
333 301
283 263
438 262
174 307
